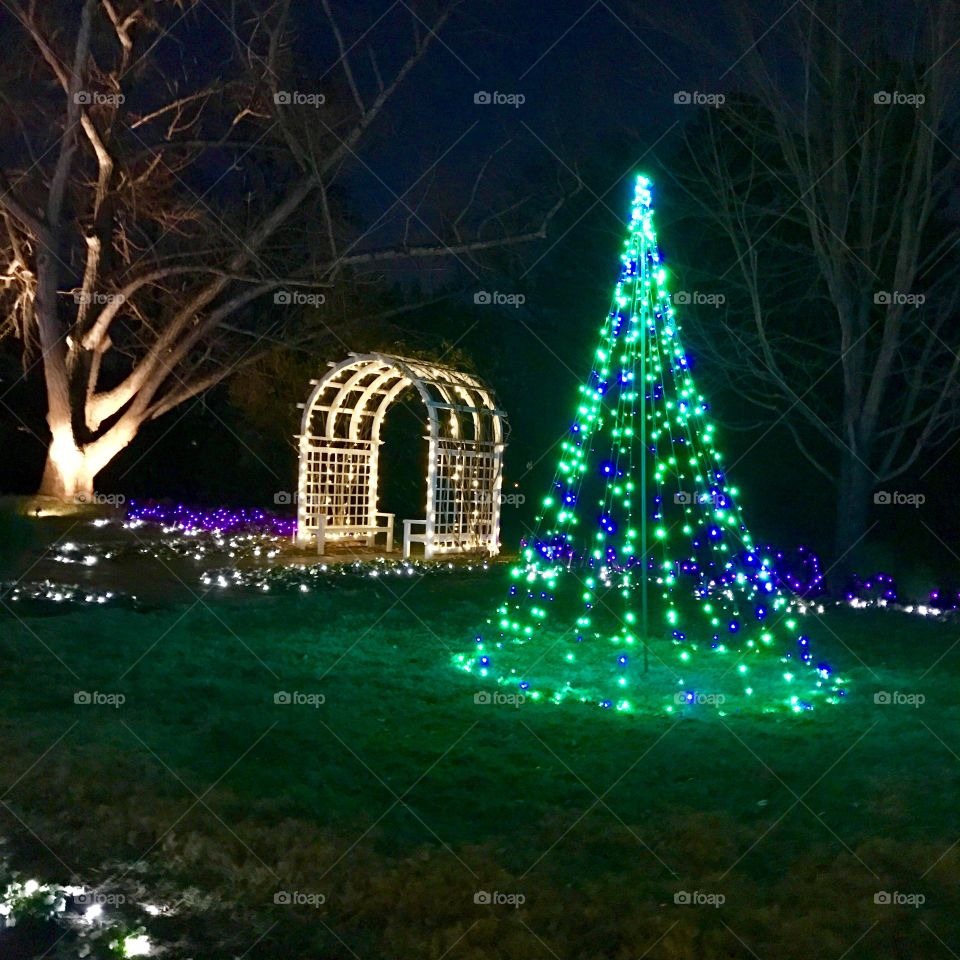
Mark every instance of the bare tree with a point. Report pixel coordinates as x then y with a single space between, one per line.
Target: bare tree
829 183
149 210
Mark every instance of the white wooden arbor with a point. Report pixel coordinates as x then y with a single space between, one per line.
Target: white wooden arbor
340 455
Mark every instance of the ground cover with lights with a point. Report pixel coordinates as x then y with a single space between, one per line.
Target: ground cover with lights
364 813
641 553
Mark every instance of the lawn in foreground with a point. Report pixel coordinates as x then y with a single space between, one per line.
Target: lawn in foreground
398 799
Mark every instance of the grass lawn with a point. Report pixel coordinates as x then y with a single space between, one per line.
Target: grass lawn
382 812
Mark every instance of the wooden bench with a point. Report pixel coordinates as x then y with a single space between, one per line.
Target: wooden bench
368 532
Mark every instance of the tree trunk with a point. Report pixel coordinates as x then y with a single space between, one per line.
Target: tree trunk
71 468
66 474
853 505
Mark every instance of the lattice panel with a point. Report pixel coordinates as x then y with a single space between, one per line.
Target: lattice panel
337 484
465 491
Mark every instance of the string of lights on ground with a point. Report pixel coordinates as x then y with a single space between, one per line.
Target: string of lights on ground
88 915
46 591
234 551
222 520
306 577
641 552
216 541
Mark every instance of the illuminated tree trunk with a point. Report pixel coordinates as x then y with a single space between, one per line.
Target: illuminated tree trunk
66 475
70 469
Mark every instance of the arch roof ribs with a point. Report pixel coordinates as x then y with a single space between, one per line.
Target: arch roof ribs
373 375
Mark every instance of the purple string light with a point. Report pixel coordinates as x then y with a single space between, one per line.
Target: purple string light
221 520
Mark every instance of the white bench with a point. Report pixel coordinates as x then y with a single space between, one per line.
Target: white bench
368 532
410 537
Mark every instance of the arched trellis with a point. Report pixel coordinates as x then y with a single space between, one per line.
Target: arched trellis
340 453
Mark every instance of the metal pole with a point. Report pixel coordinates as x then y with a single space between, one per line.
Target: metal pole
643 457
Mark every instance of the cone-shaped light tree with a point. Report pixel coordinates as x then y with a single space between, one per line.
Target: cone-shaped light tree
641 586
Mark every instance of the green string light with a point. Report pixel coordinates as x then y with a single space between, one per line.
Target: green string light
669 534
